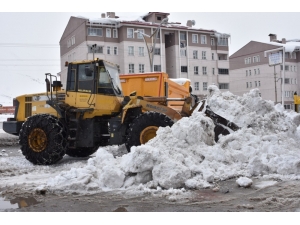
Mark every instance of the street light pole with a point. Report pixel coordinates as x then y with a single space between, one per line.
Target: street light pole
152 50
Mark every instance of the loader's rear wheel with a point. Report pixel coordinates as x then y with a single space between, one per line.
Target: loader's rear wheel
43 139
143 128
81 152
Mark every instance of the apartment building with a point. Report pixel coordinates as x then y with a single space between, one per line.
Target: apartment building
182 51
249 68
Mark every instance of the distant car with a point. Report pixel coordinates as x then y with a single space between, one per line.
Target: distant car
0 105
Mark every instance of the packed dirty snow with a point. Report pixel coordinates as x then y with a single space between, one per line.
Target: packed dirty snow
186 156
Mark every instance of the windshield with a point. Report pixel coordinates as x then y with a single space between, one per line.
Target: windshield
115 79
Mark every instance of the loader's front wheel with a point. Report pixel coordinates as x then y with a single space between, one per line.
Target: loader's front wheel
143 128
81 152
43 139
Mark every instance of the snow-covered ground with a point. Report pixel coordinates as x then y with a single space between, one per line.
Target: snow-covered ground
182 157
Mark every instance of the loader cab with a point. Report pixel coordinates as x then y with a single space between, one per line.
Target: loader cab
87 81
95 77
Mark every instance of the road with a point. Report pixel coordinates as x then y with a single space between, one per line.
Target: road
262 196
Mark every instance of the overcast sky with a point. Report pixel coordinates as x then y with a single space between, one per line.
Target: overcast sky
29 40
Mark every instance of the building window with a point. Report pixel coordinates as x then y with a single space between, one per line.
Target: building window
203 39
182 52
213 71
223 41
246 72
295 69
157 68
196 84
159 18
247 84
212 41
254 71
246 60
255 83
108 50
131 68
223 85
291 68
196 70
204 86
249 72
73 40
115 33
194 38
195 54
141 51
130 33
249 60
108 32
184 69
95 32
157 51
286 67
258 71
258 83
213 56
139 34
115 50
130 50
287 106
182 36
204 55
141 68
286 80
250 84
223 71
287 94
204 72
69 43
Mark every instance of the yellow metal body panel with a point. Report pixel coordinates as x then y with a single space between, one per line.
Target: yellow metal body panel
153 84
32 104
102 104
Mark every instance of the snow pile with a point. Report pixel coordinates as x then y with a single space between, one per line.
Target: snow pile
186 156
244 182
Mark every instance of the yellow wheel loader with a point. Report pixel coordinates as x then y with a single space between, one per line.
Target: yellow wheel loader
92 112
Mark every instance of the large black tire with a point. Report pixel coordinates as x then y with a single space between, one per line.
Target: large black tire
81 152
220 130
43 139
143 128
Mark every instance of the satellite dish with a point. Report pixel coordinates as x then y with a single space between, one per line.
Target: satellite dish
193 22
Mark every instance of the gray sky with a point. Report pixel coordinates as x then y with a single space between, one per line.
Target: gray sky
29 41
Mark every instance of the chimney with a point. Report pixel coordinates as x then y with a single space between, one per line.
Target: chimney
111 14
102 15
283 41
189 23
273 37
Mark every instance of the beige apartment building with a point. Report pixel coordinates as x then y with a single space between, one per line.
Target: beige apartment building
249 68
182 51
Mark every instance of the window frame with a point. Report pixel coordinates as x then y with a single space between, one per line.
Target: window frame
203 39
195 40
130 35
131 68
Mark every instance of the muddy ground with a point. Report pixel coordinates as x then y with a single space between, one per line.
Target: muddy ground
227 196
